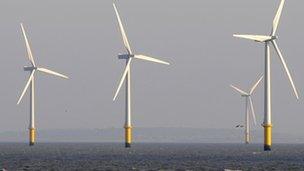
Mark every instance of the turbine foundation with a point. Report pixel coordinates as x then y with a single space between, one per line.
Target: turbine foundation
247 139
32 136
128 136
267 137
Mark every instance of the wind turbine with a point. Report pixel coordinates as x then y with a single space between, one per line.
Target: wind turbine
127 77
270 40
248 100
31 83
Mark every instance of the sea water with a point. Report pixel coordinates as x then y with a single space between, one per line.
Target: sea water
150 156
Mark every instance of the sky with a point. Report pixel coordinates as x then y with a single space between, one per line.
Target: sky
81 39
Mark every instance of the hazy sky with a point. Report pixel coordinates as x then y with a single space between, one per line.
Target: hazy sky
81 39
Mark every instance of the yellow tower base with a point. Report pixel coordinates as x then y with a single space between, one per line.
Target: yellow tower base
128 136
267 137
247 139
32 136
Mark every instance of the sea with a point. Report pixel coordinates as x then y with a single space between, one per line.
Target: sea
150 156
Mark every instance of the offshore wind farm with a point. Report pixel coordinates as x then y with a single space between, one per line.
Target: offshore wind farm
184 116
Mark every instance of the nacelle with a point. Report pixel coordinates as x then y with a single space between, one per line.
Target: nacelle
274 37
124 56
29 68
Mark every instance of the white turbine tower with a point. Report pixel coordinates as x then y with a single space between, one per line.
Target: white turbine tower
248 107
127 76
31 83
270 40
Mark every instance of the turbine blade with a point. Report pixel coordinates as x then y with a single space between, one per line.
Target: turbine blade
258 38
28 48
122 30
256 84
26 86
252 110
286 68
239 90
52 72
122 78
276 19
147 58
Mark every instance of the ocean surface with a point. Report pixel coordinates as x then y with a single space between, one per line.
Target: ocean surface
149 156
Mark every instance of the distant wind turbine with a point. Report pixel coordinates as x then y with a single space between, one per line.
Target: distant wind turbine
270 40
33 68
248 107
127 76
